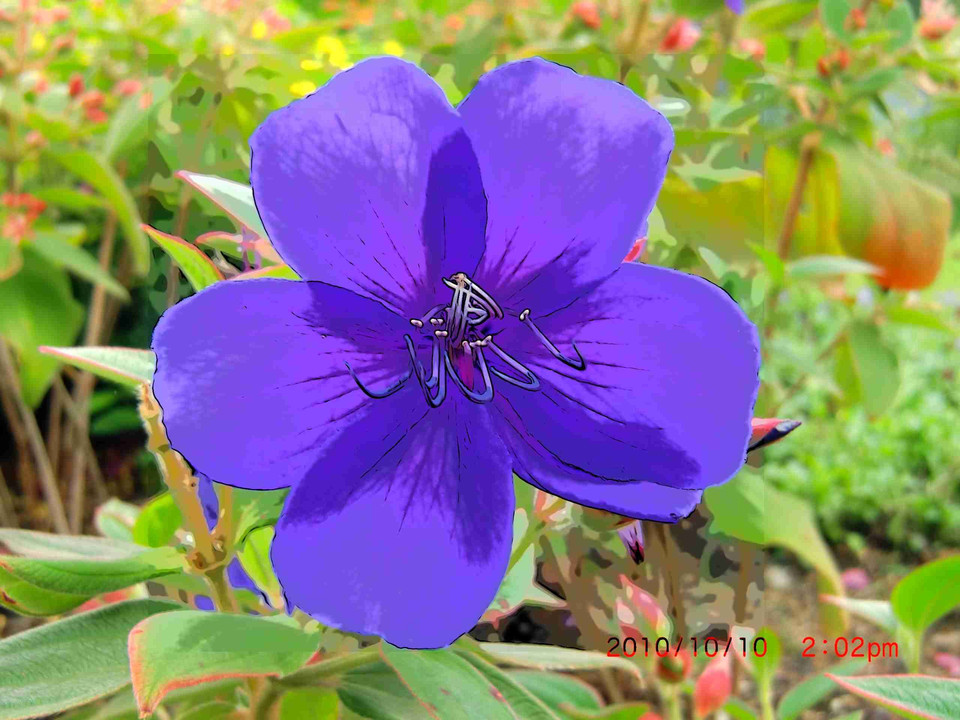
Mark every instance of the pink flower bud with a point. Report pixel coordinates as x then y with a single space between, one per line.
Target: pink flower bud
681 36
855 579
638 612
713 687
586 12
127 86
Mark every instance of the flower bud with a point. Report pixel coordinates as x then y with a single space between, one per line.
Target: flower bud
937 18
857 19
713 687
586 12
636 252
681 36
638 612
754 48
127 86
842 59
632 536
675 666
75 85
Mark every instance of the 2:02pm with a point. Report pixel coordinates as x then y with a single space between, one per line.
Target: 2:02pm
855 647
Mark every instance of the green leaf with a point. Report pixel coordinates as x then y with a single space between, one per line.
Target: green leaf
157 522
918 318
557 690
281 271
233 198
927 594
191 646
775 267
254 509
309 704
548 657
912 696
525 705
746 509
376 693
101 176
131 121
127 366
61 253
447 685
43 574
70 198
772 15
67 663
38 309
899 22
254 556
818 266
834 14
811 691
765 666
115 519
876 612
519 587
197 267
867 369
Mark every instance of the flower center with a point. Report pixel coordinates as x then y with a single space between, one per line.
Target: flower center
461 341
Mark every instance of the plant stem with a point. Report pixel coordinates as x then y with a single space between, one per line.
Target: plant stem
11 384
671 703
265 701
85 383
318 672
8 512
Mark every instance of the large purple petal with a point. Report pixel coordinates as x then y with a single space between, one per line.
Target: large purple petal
633 498
668 391
571 167
371 184
410 544
252 379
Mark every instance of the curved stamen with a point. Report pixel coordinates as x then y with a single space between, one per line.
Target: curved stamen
378 394
482 397
437 375
579 364
530 383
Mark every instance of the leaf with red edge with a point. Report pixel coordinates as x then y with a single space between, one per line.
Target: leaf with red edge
190 647
765 431
912 696
233 198
197 267
127 366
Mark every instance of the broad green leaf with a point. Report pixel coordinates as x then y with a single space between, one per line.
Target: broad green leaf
376 693
818 266
772 15
38 309
447 685
61 253
834 14
899 22
70 198
557 690
191 646
229 245
127 366
548 657
281 271
927 594
70 662
309 704
157 522
254 509
131 121
101 176
917 317
254 556
233 198
115 519
525 705
809 692
41 572
775 267
746 509
197 267
867 369
876 612
912 696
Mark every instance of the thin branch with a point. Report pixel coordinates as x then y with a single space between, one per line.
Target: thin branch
8 511
48 482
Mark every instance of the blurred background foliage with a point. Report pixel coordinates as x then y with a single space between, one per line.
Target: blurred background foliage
816 177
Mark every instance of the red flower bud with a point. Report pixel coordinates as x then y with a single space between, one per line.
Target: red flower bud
824 67
857 19
842 59
586 12
128 86
75 86
713 687
681 36
92 99
675 666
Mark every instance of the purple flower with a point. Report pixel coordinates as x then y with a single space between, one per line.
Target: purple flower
736 6
465 315
236 575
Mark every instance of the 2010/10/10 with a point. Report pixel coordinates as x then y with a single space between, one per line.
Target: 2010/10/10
663 646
